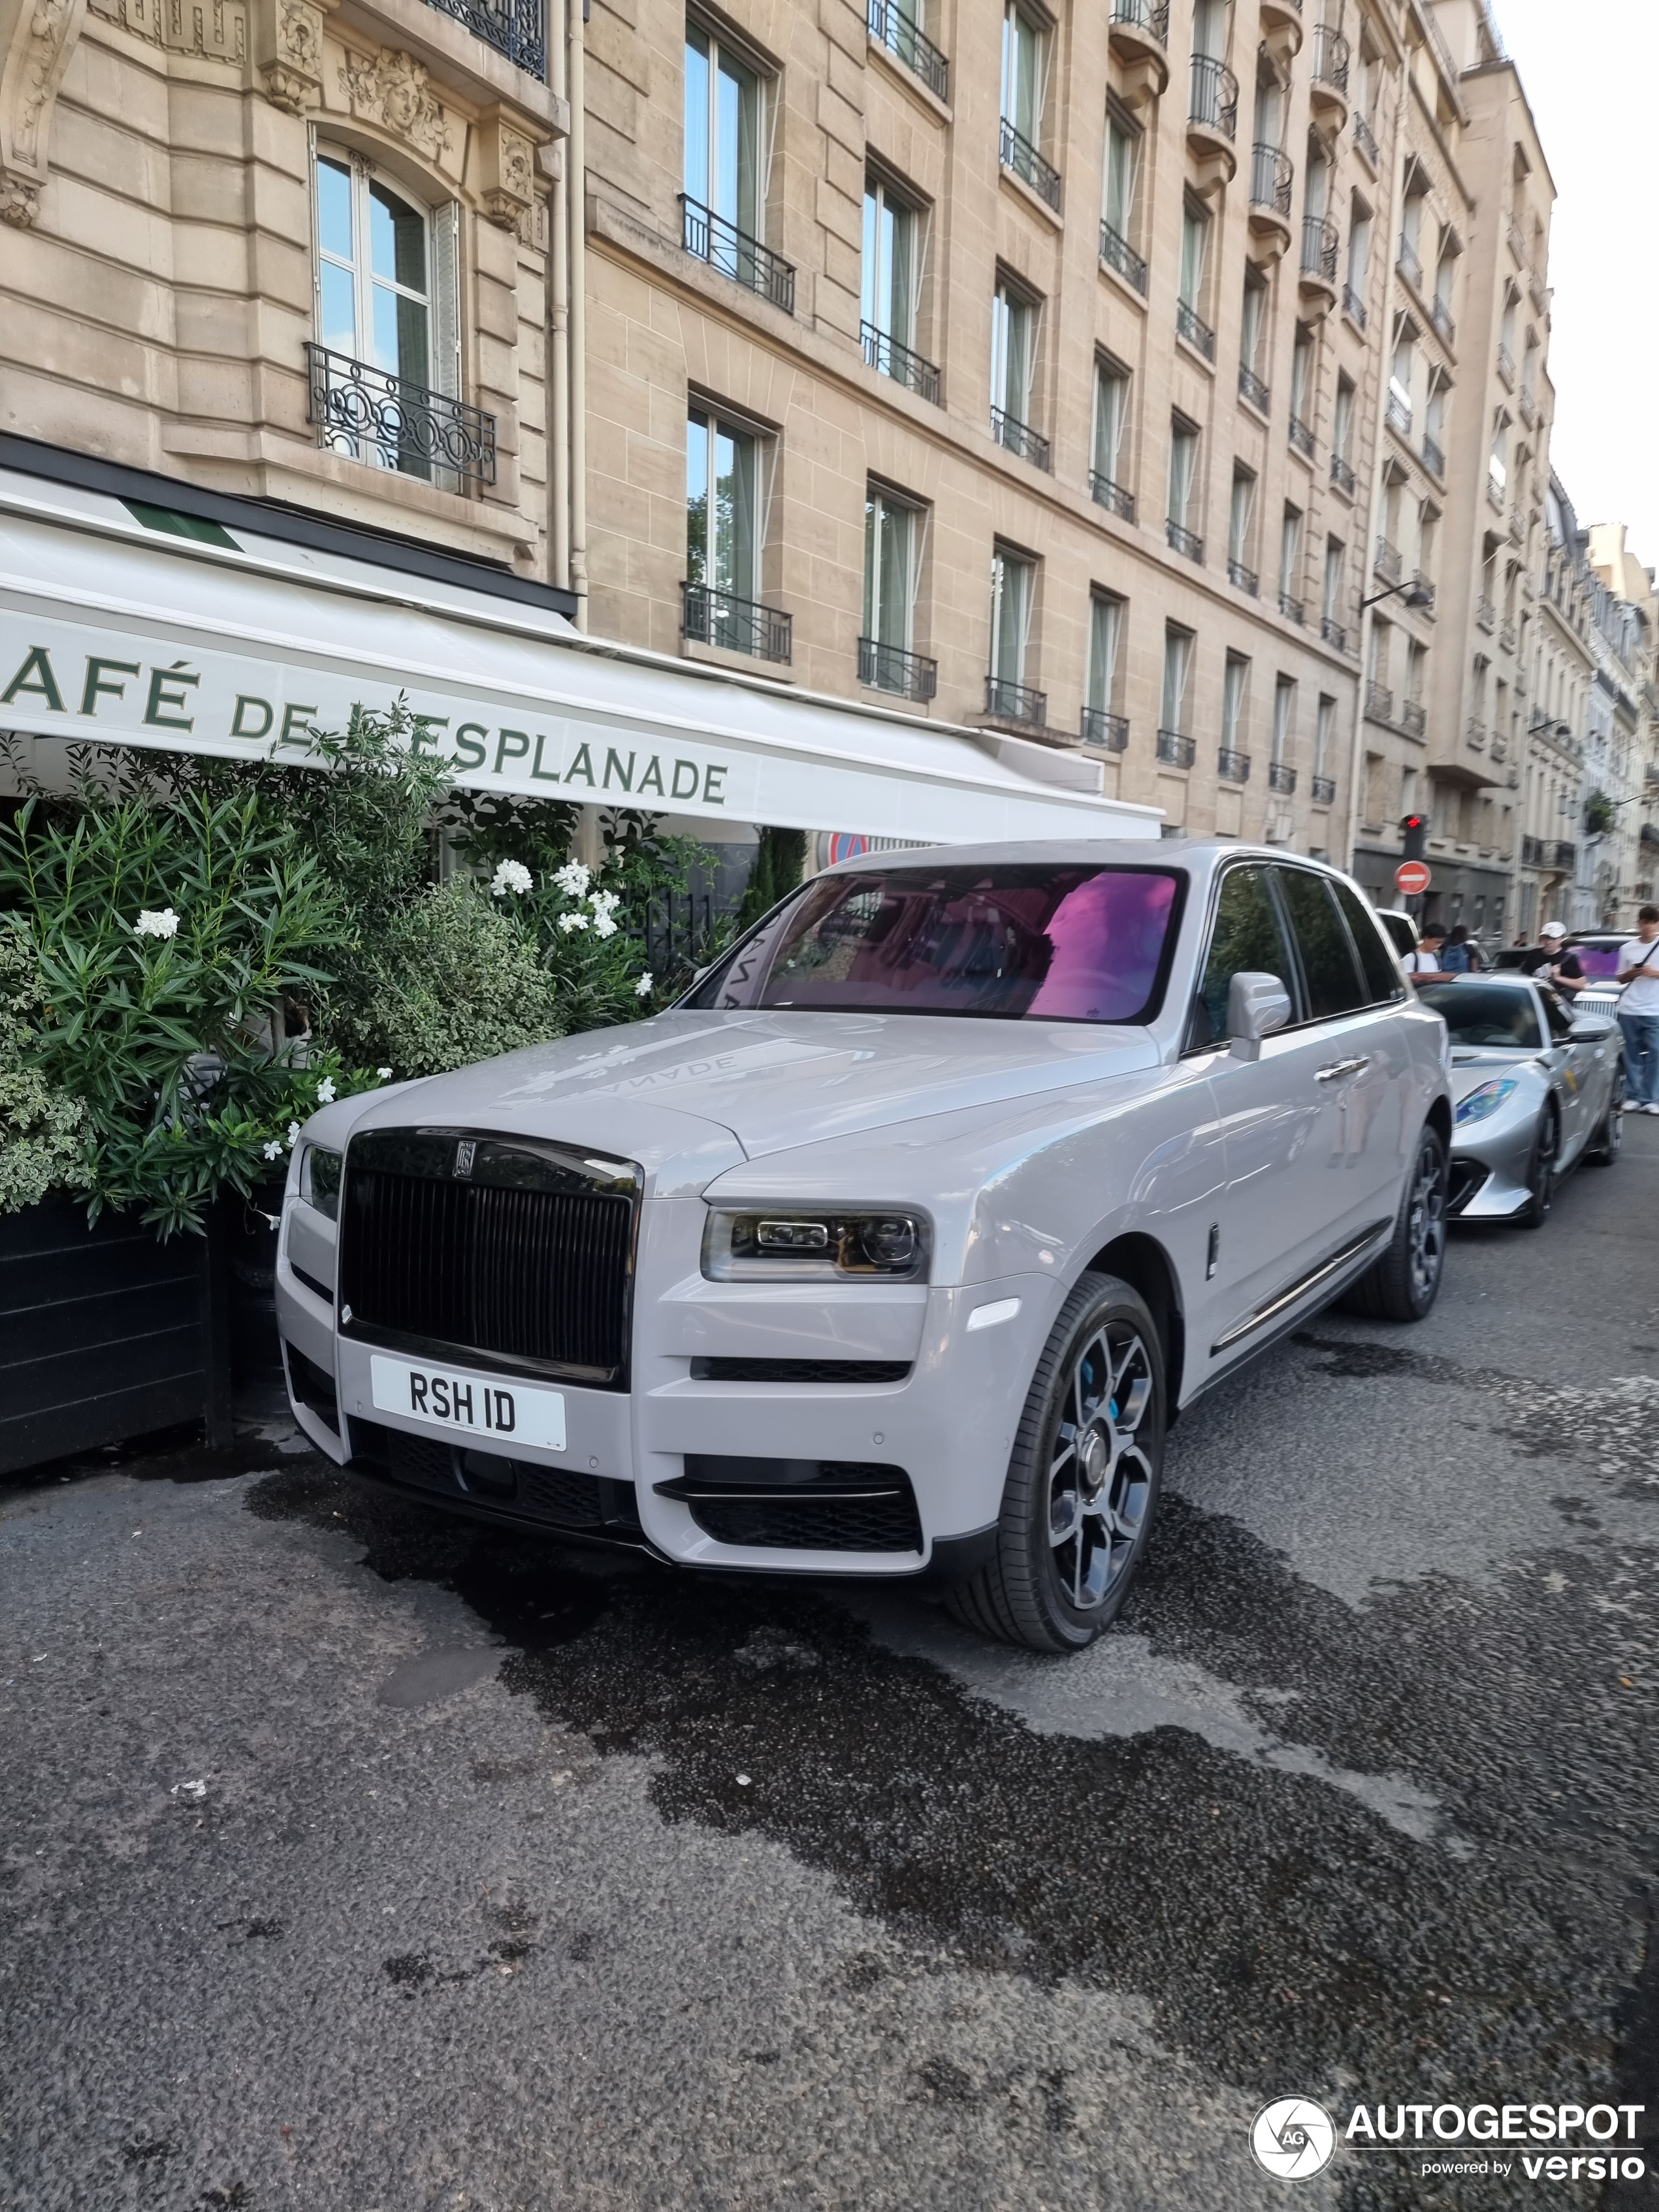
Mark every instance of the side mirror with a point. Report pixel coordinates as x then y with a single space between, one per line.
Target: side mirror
1592 1028
1256 1005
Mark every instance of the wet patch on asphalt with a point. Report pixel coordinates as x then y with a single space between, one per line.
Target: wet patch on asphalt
1280 1931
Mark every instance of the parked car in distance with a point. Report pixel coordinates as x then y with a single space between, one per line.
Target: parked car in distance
1539 1087
895 1249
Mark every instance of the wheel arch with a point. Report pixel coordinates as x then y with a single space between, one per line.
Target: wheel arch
1440 1120
1141 1261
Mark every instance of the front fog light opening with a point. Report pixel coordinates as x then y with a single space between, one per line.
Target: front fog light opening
885 1244
319 1179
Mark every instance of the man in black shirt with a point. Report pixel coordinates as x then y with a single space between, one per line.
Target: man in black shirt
1563 969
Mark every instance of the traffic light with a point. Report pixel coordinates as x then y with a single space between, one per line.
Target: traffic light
1414 830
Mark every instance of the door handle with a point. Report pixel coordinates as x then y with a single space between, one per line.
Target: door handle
1338 1068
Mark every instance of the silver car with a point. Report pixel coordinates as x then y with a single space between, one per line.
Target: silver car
896 1248
1539 1087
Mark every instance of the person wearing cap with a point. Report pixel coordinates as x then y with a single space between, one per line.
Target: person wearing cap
1424 966
1556 964
1638 1009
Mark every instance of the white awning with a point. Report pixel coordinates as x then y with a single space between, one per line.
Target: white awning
113 630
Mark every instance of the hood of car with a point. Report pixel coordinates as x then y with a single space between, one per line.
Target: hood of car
702 1090
1470 1067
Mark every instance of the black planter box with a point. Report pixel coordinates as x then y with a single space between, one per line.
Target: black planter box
106 1332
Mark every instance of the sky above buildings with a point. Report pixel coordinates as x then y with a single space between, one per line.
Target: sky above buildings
1589 73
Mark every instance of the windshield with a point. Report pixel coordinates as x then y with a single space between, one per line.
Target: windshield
1037 942
1477 1014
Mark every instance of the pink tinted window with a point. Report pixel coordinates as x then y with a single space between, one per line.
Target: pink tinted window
1037 943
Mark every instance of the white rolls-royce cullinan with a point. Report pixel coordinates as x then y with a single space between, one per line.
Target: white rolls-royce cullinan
893 1247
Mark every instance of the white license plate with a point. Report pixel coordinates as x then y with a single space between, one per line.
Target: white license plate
482 1405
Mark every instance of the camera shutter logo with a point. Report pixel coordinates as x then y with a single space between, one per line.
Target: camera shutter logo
464 1152
1294 2138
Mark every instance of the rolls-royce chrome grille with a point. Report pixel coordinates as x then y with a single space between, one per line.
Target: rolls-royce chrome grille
505 1249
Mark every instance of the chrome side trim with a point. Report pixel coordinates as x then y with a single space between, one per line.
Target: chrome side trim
1302 1286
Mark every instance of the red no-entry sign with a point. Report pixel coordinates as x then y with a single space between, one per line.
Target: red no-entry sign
1412 877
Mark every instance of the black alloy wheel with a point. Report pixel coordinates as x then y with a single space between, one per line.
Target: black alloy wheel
1541 1176
1404 1281
1083 1477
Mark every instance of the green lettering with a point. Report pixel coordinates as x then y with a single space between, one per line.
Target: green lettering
678 790
42 681
94 684
423 733
291 715
469 745
515 750
713 795
168 687
582 766
537 773
652 780
244 699
625 776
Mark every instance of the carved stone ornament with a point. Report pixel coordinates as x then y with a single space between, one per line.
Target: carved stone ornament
210 30
40 36
394 90
290 47
506 175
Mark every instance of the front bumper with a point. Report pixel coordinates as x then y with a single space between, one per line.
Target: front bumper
1492 1162
881 1478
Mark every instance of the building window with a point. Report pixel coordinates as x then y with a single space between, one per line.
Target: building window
1289 563
891 283
1024 73
1235 682
724 499
1324 731
1283 711
1117 211
893 532
1184 472
1014 318
1013 594
727 148
1172 712
1101 725
1195 257
1359 258
1331 605
1111 417
1252 333
1241 517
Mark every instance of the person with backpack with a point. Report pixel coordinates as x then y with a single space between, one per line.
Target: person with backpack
1425 965
1459 956
1638 1010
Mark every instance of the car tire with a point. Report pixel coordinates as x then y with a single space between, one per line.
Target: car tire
1540 1173
1605 1146
1403 1283
1087 1459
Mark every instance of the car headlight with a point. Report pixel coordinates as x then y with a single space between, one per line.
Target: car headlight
1485 1098
809 1244
319 1179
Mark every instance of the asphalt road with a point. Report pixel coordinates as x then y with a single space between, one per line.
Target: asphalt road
356 1863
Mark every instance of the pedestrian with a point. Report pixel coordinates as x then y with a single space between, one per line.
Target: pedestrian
1424 965
1551 960
1638 1010
1459 956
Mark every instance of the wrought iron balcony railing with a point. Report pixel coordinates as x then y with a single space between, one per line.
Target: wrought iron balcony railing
374 416
1379 702
890 27
1116 252
1291 608
1019 438
1485 614
1341 474
891 668
1353 307
1506 366
1243 579
886 355
1566 853
720 618
1323 790
1331 56
1176 750
1319 245
1272 174
1532 852
1441 316
1333 632
1387 562
1231 766
1151 16
1107 731
1527 405
517 28
1112 497
1364 138
1019 153
1192 326
1182 540
1433 459
1280 778
1302 436
1414 718
1212 96
1398 415
735 254
1251 387
1009 701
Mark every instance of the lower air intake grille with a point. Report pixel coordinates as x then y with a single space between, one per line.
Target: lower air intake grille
809 1506
312 1387
1467 1179
799 1371
591 1503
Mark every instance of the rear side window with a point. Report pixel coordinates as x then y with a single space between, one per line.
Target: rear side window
1334 981
1376 959
1247 938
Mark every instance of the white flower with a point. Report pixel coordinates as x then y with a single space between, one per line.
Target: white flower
325 1092
293 1134
603 926
511 876
152 924
604 901
642 988
573 879
385 1074
274 1148
569 921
